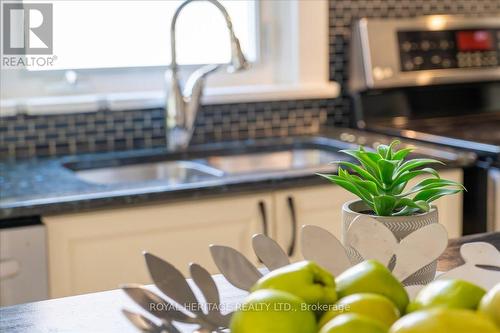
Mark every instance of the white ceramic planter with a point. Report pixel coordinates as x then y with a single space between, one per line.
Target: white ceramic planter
401 226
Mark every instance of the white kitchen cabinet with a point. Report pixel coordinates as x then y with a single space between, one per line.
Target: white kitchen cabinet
100 250
318 205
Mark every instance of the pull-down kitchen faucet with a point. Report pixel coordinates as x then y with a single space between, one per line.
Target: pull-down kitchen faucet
182 107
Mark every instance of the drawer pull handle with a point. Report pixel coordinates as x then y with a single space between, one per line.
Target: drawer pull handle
293 222
263 216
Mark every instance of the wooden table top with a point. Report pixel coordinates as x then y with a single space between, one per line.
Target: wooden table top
101 312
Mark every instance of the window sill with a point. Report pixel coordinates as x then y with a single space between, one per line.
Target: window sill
153 99
278 92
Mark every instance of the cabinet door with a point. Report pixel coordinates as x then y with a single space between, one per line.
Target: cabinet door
318 205
100 250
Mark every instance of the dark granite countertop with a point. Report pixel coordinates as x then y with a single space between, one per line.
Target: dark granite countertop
47 187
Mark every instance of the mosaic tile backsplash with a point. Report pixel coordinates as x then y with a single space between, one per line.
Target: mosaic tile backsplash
25 136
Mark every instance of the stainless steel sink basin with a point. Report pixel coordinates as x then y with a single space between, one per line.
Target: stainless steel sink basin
173 172
306 160
289 160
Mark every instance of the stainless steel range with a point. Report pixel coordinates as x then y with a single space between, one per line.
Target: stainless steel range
435 79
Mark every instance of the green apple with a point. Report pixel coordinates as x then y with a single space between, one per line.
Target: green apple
490 304
454 293
353 323
373 306
304 279
273 311
443 320
371 276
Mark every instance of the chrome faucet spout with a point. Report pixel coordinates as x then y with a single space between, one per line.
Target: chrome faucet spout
182 105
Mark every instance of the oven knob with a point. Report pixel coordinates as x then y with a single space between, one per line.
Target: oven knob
406 46
444 44
409 65
476 59
418 60
446 63
425 45
435 59
464 59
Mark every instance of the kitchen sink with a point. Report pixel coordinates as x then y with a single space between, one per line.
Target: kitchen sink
211 162
289 161
173 172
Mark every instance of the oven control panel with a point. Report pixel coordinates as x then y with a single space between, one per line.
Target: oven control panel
421 51
445 49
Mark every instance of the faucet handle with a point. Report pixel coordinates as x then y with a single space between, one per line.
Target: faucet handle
194 84
193 91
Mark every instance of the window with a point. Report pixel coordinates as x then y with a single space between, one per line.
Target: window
115 53
137 33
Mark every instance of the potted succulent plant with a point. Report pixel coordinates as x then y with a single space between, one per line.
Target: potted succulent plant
380 181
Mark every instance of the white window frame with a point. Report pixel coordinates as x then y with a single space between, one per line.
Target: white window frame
293 63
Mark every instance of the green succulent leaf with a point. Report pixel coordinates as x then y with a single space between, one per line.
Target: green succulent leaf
418 205
431 183
383 151
434 194
416 163
372 156
369 164
406 211
409 175
359 170
390 151
386 169
367 185
362 187
348 186
395 190
401 154
384 205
